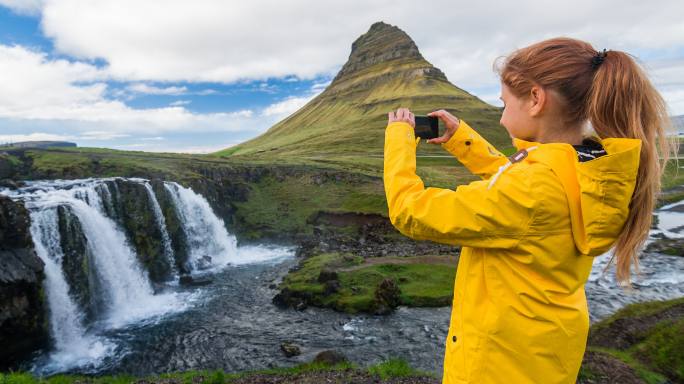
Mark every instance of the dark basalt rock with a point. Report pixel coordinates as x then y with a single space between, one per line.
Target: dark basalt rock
387 296
137 218
290 349
327 275
330 357
77 264
23 320
382 43
191 281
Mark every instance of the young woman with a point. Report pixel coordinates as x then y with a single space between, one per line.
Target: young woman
530 228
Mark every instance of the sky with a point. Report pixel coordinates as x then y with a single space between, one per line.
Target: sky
199 76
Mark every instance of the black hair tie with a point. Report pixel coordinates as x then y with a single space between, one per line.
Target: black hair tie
598 59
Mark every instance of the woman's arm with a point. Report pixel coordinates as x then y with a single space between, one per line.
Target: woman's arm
474 151
471 149
472 215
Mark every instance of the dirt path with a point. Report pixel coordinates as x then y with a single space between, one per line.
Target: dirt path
425 259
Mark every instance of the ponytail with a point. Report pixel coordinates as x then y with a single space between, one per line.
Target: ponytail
622 102
616 97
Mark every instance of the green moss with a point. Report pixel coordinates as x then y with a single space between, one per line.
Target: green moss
421 285
586 374
13 160
664 349
395 367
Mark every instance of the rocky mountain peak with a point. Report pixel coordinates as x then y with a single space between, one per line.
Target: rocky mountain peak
383 42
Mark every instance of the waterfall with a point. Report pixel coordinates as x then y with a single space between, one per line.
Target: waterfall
119 278
209 243
161 222
66 321
118 291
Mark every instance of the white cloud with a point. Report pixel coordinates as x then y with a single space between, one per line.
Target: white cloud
215 40
286 107
179 103
35 87
227 41
23 7
152 90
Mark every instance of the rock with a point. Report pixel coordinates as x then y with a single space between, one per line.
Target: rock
330 357
331 287
674 247
9 183
327 274
607 369
23 323
136 215
290 349
286 299
77 264
387 296
191 281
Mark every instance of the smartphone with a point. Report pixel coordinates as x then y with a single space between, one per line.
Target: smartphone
427 127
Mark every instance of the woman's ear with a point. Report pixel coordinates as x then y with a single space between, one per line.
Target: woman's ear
538 98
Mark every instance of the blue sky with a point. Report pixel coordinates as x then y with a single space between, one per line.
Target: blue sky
171 75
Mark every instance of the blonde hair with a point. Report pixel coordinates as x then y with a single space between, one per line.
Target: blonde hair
618 99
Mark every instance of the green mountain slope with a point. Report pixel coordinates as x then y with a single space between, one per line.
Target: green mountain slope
346 122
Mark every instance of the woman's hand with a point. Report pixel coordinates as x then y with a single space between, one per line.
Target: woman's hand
451 123
402 114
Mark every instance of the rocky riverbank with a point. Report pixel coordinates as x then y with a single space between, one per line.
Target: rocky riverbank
23 323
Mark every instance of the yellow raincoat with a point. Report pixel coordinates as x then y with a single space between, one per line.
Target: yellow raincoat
528 232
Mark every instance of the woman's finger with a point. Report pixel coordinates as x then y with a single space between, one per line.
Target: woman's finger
438 140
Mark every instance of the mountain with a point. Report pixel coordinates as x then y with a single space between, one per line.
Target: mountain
385 71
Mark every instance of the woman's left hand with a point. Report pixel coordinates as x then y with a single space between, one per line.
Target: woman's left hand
402 114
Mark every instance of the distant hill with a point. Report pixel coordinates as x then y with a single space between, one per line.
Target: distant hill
385 71
39 144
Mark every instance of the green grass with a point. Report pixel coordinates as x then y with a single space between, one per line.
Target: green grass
394 367
391 368
421 285
673 175
286 206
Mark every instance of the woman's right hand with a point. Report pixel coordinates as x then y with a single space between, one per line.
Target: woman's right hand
451 123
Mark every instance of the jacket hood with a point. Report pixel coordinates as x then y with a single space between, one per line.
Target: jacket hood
598 191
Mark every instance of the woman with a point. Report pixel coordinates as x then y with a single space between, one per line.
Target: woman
530 228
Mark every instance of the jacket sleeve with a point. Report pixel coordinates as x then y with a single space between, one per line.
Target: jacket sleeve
474 151
472 215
